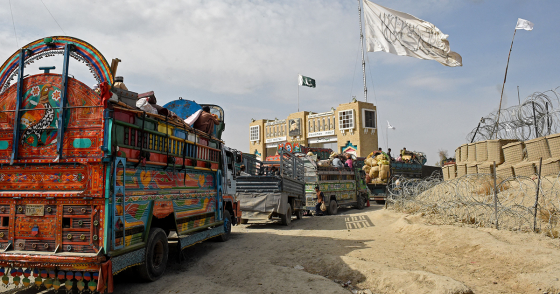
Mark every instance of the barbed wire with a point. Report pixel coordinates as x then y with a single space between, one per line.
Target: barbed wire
470 200
537 116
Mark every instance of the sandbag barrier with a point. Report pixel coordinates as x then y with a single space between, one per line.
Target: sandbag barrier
470 200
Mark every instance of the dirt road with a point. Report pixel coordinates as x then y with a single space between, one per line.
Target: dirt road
375 249
378 251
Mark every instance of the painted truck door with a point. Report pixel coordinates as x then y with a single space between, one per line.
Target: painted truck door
118 208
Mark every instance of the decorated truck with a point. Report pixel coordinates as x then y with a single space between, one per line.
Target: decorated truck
381 173
91 185
340 186
272 189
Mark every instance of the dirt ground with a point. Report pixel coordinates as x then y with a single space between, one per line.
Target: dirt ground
361 251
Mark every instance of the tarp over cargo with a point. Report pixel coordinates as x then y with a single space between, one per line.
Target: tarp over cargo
263 202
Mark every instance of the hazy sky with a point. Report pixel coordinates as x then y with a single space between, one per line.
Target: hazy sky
246 56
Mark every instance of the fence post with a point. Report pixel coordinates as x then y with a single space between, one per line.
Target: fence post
535 120
537 197
495 197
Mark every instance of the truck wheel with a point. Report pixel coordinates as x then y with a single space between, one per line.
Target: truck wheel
299 214
227 227
244 221
361 202
157 250
333 207
287 218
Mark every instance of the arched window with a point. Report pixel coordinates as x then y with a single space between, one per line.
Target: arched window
329 121
324 125
309 129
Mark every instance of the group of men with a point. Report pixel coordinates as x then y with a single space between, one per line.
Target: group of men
341 160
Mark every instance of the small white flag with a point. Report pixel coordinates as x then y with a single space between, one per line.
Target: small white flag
389 126
523 24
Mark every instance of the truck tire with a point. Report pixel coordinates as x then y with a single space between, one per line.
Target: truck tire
333 207
299 214
244 221
361 202
227 227
287 218
157 251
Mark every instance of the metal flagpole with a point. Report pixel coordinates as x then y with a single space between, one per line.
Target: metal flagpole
495 131
387 135
298 94
362 40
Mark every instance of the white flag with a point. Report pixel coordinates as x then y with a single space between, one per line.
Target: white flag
389 126
523 24
402 34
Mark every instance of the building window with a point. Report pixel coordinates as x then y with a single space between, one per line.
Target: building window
324 125
314 125
332 124
255 133
309 130
369 118
346 119
329 123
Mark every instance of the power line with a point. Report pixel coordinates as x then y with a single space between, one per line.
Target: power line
53 17
13 22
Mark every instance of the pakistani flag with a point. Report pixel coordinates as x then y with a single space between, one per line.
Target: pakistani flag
306 81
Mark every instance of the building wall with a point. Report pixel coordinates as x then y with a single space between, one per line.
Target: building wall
324 129
366 140
257 147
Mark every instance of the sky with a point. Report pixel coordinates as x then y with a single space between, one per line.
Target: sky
246 56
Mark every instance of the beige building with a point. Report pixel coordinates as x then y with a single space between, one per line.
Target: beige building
350 128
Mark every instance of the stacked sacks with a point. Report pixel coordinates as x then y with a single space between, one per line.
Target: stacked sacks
376 168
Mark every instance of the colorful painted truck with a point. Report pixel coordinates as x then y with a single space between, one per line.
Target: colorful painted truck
265 194
90 186
340 186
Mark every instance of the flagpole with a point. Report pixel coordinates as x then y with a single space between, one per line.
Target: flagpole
298 94
495 131
362 47
387 135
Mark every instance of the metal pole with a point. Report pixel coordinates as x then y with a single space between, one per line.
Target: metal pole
362 47
537 197
518 98
298 95
495 131
476 131
535 120
495 198
547 120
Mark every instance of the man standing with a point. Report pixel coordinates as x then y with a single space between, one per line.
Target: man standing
206 121
320 199
389 154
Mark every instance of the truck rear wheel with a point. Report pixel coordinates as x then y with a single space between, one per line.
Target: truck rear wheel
227 227
155 258
287 218
333 207
361 202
